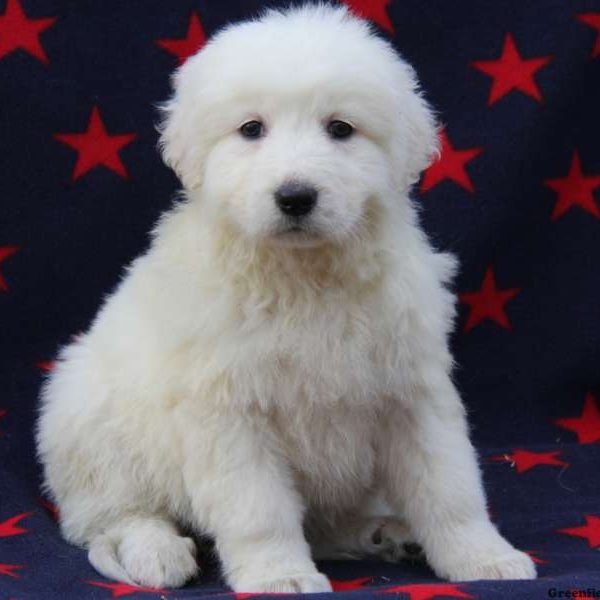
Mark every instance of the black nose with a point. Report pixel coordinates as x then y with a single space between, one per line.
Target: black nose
296 199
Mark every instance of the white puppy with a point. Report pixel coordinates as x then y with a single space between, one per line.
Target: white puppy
274 372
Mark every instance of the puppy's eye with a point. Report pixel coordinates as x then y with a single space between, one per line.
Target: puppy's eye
339 130
252 129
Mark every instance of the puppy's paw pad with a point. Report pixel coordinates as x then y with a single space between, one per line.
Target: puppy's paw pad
391 541
516 565
169 561
294 584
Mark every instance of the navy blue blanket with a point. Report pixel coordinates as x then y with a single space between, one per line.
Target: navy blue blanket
516 195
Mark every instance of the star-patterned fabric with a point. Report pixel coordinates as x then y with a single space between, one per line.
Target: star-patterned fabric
515 193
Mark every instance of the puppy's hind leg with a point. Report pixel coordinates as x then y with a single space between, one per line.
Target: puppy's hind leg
385 537
144 550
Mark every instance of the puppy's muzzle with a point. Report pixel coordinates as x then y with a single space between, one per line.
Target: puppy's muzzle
296 199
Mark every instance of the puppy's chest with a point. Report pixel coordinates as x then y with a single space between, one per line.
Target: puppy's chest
332 451
325 359
328 391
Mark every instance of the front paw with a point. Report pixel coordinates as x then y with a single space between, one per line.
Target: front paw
514 565
477 551
292 583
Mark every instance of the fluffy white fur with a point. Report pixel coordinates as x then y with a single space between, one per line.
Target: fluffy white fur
287 393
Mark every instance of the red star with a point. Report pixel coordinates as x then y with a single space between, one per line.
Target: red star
19 32
124 589
536 559
96 147
45 365
450 165
488 303
373 10
587 426
349 584
9 527
585 594
10 570
590 531
512 72
5 252
524 460
575 190
426 591
192 42
51 509
593 20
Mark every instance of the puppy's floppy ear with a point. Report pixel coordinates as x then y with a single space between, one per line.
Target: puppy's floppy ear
419 129
179 143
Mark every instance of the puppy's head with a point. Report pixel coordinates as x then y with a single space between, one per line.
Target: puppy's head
292 127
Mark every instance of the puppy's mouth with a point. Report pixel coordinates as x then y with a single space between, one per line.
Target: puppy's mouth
295 228
297 235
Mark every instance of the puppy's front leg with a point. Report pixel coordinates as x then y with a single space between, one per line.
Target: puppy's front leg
242 493
432 478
